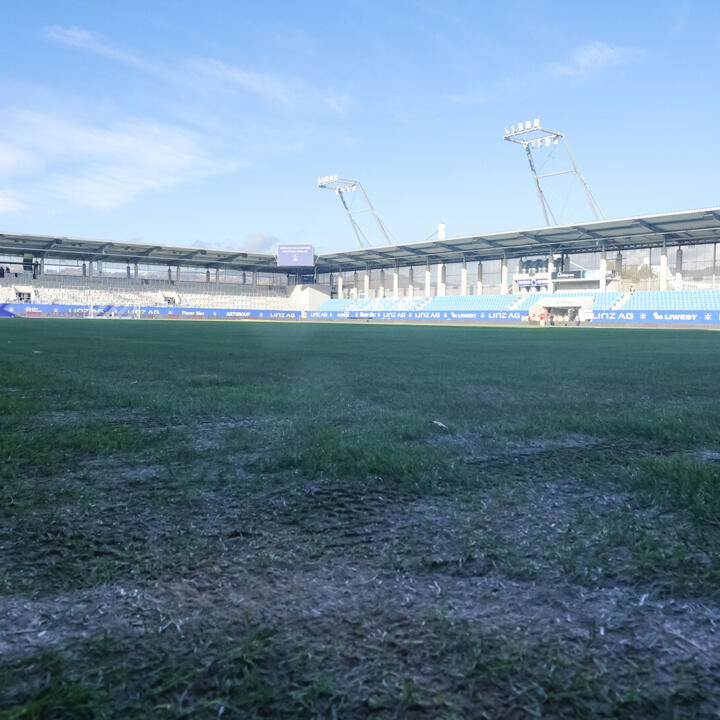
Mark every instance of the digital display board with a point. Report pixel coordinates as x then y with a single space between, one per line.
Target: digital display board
295 255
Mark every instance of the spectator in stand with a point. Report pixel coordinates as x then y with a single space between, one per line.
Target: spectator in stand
2 271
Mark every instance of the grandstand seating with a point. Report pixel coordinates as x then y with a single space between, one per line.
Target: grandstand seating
523 303
674 300
119 292
335 305
471 302
51 290
386 304
601 301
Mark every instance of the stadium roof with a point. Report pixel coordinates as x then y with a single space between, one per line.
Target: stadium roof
75 249
691 227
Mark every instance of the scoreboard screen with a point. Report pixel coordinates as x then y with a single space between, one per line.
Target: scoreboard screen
295 255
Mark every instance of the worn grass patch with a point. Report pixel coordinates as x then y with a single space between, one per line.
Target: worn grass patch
296 520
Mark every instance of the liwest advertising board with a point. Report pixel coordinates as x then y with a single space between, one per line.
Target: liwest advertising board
295 255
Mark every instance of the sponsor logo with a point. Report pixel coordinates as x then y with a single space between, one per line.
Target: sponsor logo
675 316
614 315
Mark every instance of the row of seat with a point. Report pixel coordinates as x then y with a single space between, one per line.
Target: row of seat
522 302
100 296
674 300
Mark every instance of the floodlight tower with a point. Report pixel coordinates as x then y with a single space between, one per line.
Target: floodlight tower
532 136
341 188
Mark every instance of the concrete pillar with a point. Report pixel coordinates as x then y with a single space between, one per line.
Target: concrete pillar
217 276
366 283
618 267
84 270
42 265
177 274
428 283
135 271
550 271
207 275
714 264
411 282
90 269
463 278
504 277
663 269
678 269
479 284
381 289
127 271
441 280
396 282
603 270
253 278
340 285
170 274
441 231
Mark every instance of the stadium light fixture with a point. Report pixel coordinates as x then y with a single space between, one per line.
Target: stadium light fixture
341 187
532 136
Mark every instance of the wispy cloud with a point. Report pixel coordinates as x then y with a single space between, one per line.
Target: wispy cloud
339 103
592 58
76 37
260 242
10 203
266 86
198 72
105 167
586 61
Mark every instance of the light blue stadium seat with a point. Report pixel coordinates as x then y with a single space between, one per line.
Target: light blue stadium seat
674 300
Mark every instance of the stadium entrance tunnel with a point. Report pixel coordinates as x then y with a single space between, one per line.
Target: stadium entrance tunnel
562 310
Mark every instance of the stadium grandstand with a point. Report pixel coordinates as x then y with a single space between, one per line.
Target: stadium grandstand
640 270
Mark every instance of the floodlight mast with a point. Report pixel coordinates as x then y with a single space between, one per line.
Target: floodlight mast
341 187
532 135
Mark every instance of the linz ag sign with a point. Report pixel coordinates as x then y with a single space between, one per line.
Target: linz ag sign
295 255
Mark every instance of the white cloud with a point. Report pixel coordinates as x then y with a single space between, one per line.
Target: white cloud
339 103
13 160
591 58
260 242
84 40
586 61
105 167
10 203
198 72
266 86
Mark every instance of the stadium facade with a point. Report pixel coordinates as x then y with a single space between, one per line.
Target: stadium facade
655 269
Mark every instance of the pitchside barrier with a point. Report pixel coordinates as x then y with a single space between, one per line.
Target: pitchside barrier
167 311
711 317
635 317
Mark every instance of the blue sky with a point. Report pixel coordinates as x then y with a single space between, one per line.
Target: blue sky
209 123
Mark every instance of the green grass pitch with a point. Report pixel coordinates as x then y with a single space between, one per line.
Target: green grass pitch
260 520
